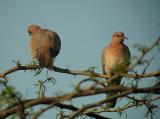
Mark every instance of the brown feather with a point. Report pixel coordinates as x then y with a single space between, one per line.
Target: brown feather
44 58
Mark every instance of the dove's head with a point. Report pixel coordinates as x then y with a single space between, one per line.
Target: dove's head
33 28
118 37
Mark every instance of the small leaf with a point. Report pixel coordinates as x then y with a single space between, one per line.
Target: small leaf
37 72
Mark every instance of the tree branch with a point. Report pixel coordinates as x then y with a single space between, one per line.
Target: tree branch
69 107
125 107
77 72
75 94
98 103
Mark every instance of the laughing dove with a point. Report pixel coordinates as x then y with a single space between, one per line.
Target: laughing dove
45 45
115 60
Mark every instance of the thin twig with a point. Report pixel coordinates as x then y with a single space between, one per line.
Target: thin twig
157 42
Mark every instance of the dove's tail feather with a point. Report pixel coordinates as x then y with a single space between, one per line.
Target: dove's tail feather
112 102
45 59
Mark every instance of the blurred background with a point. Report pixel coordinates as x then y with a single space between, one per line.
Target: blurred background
85 28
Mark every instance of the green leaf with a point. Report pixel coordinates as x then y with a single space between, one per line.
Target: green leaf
37 72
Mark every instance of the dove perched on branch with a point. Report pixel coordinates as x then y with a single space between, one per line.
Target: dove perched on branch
115 60
45 45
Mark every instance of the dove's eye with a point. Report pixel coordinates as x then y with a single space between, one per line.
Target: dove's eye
30 33
118 36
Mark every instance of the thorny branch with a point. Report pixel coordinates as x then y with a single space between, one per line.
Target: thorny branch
78 112
127 106
69 107
82 93
78 72
145 51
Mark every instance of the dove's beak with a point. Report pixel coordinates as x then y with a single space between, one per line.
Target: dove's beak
125 38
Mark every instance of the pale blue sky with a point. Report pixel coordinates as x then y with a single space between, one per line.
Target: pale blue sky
85 28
